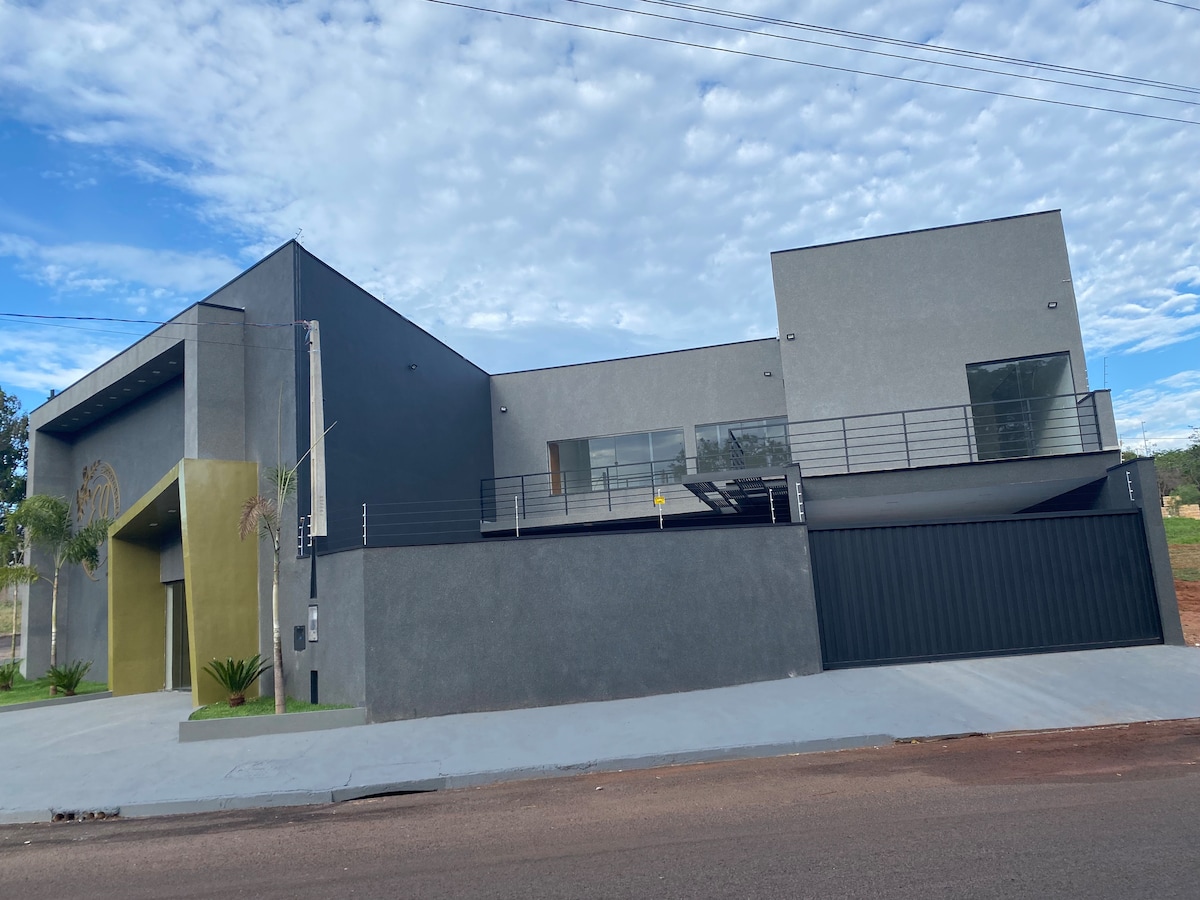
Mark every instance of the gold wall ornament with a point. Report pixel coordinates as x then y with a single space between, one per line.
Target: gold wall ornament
98 497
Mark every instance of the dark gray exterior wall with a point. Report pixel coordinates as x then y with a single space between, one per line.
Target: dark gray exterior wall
535 622
339 655
402 434
890 323
641 393
1134 485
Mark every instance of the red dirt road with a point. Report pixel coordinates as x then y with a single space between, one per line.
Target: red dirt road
1104 813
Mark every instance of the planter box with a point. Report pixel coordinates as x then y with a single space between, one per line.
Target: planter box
288 723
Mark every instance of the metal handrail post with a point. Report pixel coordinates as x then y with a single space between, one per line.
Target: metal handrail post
517 513
846 446
967 434
364 524
904 428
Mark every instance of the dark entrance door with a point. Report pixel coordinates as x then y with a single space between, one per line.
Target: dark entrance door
179 651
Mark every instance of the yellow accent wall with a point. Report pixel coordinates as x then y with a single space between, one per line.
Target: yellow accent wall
220 570
137 621
220 573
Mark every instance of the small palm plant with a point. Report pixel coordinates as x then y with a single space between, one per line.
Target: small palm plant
66 677
237 675
8 674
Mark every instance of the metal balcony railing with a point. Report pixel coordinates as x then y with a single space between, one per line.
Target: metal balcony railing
915 438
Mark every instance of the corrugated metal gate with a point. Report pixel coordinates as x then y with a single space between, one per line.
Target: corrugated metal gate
1024 585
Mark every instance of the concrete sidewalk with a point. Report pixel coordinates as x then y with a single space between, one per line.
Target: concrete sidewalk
123 755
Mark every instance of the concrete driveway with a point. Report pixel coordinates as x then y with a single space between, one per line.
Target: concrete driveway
123 755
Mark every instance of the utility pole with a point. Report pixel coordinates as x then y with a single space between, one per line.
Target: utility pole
319 524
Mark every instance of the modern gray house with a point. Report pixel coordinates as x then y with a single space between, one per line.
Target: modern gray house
914 469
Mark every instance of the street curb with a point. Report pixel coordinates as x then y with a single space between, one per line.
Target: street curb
466 780
663 760
256 726
57 701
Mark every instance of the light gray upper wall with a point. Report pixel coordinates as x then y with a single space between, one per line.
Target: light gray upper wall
267 295
214 367
264 382
641 393
891 323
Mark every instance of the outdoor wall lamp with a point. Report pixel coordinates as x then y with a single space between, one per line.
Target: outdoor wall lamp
504 409
791 336
1053 304
412 365
767 374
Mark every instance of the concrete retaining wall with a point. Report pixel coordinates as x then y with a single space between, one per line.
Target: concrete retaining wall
542 621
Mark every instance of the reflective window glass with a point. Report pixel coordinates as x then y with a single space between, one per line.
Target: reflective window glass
749 444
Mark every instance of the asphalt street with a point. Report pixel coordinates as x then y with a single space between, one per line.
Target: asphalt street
1098 813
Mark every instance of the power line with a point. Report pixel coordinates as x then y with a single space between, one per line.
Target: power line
27 319
146 321
901 56
930 48
798 62
1180 5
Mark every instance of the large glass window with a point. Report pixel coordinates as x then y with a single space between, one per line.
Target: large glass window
1023 407
640 459
751 444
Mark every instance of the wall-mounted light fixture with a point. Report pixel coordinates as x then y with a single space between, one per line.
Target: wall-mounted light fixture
1053 304
504 409
767 374
791 336
412 365
312 623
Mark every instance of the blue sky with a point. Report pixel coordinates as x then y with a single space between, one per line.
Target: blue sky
535 194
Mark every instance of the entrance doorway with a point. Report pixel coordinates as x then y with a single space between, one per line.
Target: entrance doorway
179 651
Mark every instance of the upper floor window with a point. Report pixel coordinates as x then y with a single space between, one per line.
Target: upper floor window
750 444
1023 407
638 459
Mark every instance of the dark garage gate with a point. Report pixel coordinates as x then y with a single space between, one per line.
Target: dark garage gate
1030 584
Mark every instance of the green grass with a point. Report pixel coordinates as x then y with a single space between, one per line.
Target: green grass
263 706
6 613
27 691
1182 531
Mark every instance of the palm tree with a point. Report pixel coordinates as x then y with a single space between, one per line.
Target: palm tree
47 524
262 513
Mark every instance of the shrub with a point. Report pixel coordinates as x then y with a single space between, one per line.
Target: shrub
237 675
1188 494
66 677
8 674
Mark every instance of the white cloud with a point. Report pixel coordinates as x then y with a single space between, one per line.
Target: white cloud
147 280
493 175
34 360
